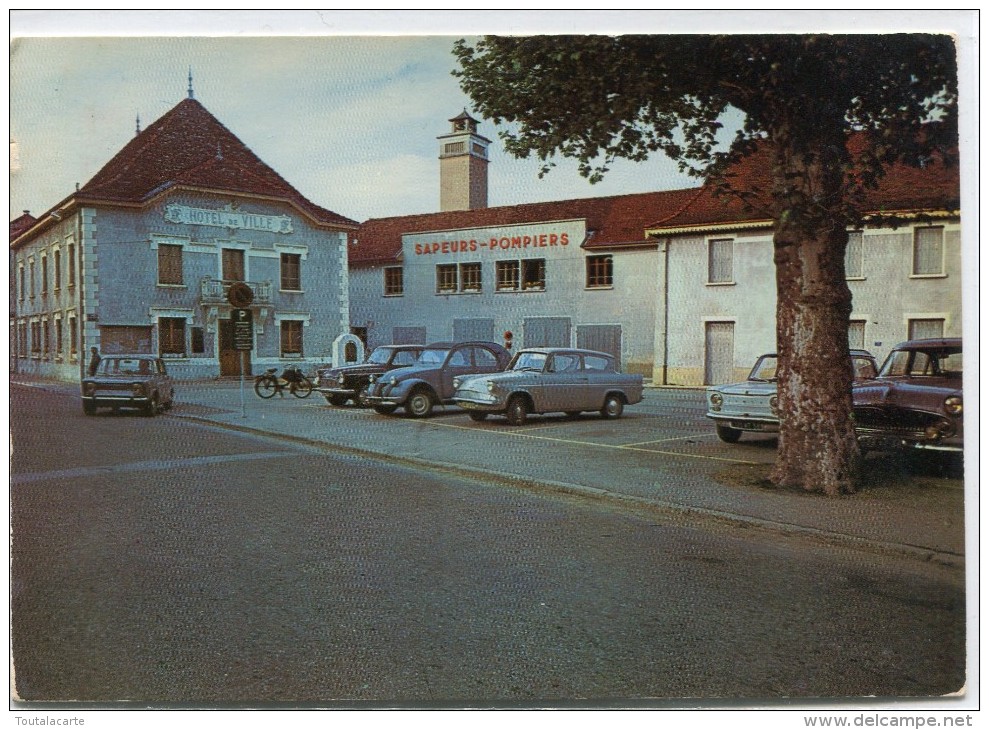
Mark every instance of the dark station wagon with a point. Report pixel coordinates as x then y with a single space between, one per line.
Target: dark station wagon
350 382
916 400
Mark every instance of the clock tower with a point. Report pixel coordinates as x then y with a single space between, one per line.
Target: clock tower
463 166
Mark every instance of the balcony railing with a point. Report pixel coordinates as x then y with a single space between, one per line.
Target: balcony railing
214 291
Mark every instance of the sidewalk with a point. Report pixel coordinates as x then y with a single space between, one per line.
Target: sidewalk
924 523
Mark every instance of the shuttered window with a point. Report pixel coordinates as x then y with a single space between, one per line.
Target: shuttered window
928 251
853 256
719 261
169 264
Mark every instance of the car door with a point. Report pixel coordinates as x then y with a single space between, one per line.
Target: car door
458 362
600 376
565 384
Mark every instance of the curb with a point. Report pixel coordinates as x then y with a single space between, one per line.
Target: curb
666 509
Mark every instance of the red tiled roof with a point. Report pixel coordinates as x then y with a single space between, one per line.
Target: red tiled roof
189 147
21 224
904 188
616 221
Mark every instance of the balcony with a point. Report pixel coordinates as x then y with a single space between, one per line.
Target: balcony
214 291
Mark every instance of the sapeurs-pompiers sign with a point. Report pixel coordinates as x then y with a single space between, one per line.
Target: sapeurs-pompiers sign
227 217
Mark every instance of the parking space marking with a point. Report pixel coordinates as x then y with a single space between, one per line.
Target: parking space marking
574 442
675 438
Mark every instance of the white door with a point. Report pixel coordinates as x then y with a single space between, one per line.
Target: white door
719 353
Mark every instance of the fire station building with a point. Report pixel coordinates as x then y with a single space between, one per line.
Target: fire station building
678 285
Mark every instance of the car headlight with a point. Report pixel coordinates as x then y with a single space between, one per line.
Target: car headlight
340 378
89 388
716 400
457 382
774 403
953 405
392 380
491 386
372 380
137 388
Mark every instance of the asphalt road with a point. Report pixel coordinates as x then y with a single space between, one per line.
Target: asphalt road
159 560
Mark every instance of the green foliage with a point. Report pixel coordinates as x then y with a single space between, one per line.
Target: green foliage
598 98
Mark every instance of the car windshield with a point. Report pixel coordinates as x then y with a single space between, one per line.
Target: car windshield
945 363
765 369
124 366
529 361
433 356
379 356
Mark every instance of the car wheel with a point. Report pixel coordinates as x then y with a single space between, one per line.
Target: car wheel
728 434
151 408
89 408
517 411
419 404
384 410
613 406
478 415
336 400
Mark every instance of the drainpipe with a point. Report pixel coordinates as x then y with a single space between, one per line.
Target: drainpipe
666 308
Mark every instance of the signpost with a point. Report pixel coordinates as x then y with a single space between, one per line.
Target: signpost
240 296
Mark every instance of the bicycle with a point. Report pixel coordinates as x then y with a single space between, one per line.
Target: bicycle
268 384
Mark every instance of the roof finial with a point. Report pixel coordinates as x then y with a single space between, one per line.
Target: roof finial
191 94
137 125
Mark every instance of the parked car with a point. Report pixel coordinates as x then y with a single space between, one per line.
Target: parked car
128 381
420 387
550 380
350 382
752 405
916 400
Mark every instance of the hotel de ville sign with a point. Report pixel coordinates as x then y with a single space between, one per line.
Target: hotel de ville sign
227 217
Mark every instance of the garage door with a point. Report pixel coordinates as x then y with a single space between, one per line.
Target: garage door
546 332
601 337
472 330
408 336
719 353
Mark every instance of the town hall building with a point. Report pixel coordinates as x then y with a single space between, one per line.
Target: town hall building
141 257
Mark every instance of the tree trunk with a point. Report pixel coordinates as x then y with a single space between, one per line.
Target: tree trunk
817 446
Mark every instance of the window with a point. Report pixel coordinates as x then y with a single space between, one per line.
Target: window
507 273
44 275
232 264
22 338
454 148
32 279
534 274
446 278
72 264
197 342
169 264
928 251
57 263
470 277
599 271
46 338
485 358
853 256
922 329
58 339
719 261
856 334
73 336
36 339
291 338
394 281
291 272
171 336
21 287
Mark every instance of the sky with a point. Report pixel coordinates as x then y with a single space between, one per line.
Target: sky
346 106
